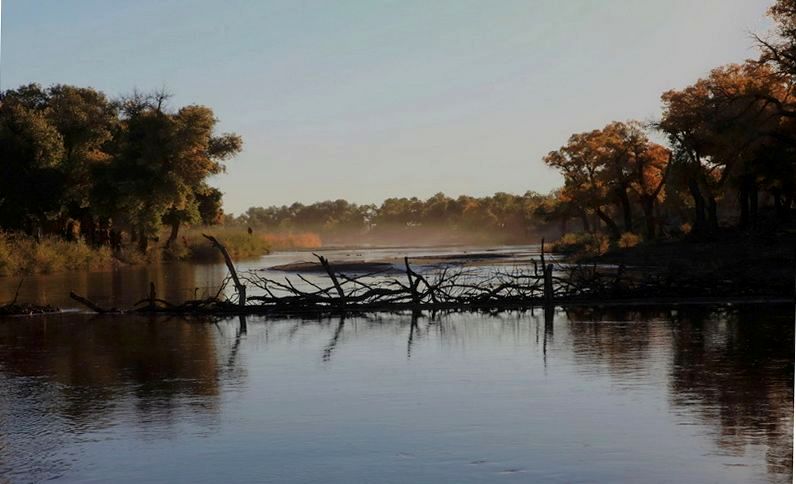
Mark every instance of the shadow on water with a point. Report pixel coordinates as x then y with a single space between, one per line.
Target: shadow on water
67 376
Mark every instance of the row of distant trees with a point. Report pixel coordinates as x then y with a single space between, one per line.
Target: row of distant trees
77 164
500 217
731 146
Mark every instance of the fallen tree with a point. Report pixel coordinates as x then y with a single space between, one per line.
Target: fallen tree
542 284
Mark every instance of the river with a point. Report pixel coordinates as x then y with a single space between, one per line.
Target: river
693 394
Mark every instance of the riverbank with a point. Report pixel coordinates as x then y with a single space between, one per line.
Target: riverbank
732 262
22 255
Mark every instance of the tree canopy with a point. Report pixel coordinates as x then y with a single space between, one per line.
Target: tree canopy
76 163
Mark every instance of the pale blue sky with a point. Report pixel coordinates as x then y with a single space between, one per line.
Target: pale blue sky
369 99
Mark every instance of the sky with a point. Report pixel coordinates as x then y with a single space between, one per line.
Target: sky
371 99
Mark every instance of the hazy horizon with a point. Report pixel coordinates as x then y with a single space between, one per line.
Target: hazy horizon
370 100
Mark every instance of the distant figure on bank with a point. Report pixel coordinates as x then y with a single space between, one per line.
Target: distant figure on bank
250 231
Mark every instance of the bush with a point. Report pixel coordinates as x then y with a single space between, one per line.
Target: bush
21 254
582 244
628 240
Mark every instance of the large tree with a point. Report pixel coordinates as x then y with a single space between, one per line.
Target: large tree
725 128
165 158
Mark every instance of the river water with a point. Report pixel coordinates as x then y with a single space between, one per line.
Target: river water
692 394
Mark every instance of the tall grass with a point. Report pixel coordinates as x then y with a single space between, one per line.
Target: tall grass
303 240
20 254
239 243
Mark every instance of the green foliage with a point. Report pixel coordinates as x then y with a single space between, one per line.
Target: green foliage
75 164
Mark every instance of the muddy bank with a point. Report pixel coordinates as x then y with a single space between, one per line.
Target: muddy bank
349 267
393 264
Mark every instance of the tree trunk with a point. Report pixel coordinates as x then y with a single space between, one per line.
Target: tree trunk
713 219
175 230
612 227
743 203
648 206
584 218
143 243
699 206
627 211
88 229
753 202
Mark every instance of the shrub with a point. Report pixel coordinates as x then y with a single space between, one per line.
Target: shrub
629 239
582 244
21 254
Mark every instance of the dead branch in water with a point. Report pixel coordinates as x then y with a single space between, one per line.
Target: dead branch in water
442 288
231 267
88 303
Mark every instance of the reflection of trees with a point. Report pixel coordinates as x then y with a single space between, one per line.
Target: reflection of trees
733 369
65 375
736 370
623 344
174 282
159 361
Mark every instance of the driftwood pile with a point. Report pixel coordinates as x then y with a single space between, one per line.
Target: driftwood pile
446 288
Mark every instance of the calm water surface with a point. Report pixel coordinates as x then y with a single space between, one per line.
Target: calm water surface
691 395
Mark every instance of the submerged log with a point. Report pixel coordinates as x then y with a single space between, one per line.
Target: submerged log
89 304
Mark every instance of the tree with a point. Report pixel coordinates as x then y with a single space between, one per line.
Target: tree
582 162
722 127
30 152
638 167
165 158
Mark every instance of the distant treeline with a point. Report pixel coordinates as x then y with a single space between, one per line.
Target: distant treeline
502 217
76 164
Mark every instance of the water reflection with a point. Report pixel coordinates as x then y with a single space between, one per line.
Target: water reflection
749 395
118 288
63 376
704 393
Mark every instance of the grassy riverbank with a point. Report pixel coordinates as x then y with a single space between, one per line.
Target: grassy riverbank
21 254
239 243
